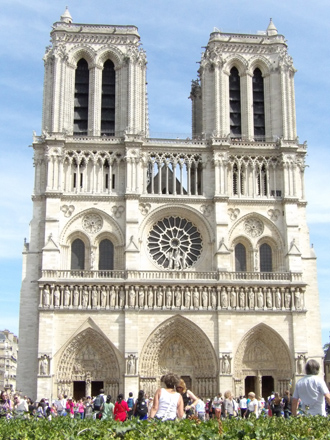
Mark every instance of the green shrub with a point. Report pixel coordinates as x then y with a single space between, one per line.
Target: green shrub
270 428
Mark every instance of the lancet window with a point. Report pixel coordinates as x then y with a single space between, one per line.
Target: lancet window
258 105
174 174
108 99
81 93
106 255
77 255
266 260
240 258
92 171
235 103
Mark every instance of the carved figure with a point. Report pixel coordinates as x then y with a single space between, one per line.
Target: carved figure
46 296
131 364
159 298
150 297
301 364
94 298
204 298
43 366
121 299
269 299
103 297
213 299
112 297
297 298
178 297
224 299
287 299
131 297
76 297
196 298
66 297
233 301
278 299
226 364
168 297
57 296
187 298
242 298
85 298
251 299
260 298
141 297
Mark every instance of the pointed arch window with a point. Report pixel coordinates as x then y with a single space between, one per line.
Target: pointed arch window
77 255
235 103
106 255
108 99
258 105
81 93
240 258
266 263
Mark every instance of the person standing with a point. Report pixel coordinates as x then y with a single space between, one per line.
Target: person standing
141 407
167 403
108 409
243 405
217 404
312 391
130 403
189 399
287 404
121 409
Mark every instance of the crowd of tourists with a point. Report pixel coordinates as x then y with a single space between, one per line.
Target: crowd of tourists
176 401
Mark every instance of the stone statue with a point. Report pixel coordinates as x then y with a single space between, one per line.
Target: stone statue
233 301
43 366
46 297
160 297
278 299
168 297
225 364
141 297
57 297
92 260
301 363
103 297
287 299
242 298
131 297
213 299
76 297
131 364
297 298
187 297
112 297
178 297
150 297
121 298
269 299
224 299
196 298
204 298
260 299
94 298
251 299
66 297
85 298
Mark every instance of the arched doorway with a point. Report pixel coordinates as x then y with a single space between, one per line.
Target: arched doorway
180 346
87 364
262 363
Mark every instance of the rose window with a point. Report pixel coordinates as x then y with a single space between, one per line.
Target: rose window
175 243
92 223
253 227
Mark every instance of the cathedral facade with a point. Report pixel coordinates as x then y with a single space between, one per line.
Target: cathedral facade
153 255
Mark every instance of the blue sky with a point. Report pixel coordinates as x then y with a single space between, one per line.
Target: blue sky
173 34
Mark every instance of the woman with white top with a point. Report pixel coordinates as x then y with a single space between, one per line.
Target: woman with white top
252 407
167 403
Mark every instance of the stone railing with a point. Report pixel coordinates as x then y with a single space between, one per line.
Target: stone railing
114 296
170 275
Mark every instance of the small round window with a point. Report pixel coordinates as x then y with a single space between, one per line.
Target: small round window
175 243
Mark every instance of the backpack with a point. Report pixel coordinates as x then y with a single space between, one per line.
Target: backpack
141 408
59 406
130 402
98 401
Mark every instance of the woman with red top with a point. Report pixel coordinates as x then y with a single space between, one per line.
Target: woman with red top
121 409
70 408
